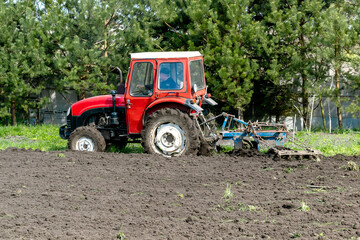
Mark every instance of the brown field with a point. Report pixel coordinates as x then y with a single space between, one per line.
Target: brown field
77 195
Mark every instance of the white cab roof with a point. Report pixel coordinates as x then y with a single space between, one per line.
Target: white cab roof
151 55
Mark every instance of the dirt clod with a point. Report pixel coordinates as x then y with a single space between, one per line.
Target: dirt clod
245 153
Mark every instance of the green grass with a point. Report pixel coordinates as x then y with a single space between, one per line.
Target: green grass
45 138
130 148
228 194
345 143
304 207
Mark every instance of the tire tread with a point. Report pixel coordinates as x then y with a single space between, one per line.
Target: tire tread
92 132
185 118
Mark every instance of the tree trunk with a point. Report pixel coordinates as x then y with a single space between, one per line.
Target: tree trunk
311 113
304 91
337 79
322 112
305 103
105 47
13 112
83 96
37 116
338 100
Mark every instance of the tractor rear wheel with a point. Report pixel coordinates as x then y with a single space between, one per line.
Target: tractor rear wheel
170 132
87 139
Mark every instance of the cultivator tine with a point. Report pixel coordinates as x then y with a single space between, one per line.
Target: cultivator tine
298 153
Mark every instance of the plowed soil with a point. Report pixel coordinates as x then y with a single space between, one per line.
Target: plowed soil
77 195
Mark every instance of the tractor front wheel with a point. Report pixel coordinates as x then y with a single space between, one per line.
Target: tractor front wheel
87 139
170 132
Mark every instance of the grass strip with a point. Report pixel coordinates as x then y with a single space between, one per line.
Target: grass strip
46 138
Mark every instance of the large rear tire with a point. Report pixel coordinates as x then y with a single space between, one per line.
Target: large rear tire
170 132
87 139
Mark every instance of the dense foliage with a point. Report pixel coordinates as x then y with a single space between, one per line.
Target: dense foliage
274 54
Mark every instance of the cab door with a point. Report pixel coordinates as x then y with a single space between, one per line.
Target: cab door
139 93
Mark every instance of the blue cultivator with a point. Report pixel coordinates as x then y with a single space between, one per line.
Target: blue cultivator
250 135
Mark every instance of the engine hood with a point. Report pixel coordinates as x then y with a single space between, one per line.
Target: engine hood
103 101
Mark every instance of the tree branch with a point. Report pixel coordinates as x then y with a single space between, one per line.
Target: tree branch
173 30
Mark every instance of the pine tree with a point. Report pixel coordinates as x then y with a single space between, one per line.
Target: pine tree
135 23
341 33
23 58
292 33
221 30
89 38
77 32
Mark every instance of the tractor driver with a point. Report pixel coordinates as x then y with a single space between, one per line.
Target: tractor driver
166 82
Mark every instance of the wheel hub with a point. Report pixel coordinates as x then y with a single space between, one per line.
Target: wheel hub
170 139
85 144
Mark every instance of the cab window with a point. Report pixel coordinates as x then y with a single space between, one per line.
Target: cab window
197 74
171 76
142 79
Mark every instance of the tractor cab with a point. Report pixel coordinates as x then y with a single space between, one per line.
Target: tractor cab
163 79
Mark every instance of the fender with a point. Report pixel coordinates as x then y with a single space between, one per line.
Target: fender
173 102
177 100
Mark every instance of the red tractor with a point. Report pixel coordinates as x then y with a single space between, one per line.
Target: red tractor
159 103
